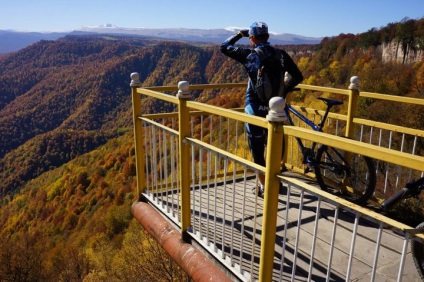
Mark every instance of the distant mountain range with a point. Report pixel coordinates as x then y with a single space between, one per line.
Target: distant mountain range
11 41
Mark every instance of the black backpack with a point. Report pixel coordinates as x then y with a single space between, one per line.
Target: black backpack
270 77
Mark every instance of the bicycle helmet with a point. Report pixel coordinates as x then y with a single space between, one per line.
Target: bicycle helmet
258 28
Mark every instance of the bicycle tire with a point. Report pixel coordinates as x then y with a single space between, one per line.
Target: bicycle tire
417 251
333 173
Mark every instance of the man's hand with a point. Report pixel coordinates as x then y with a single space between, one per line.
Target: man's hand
244 32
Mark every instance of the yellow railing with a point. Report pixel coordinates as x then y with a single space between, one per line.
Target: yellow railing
276 132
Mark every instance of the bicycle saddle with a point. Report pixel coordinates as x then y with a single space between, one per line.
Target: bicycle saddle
331 102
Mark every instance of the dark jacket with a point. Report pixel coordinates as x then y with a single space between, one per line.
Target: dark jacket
250 60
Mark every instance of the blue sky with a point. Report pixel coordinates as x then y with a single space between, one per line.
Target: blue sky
315 18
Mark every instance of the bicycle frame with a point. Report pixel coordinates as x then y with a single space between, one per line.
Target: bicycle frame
303 118
332 167
315 127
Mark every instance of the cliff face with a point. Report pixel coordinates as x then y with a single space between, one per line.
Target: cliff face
393 51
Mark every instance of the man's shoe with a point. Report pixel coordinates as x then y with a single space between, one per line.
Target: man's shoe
283 189
258 190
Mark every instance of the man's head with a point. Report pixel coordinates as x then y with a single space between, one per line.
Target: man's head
259 29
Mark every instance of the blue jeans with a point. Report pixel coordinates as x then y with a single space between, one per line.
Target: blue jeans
257 136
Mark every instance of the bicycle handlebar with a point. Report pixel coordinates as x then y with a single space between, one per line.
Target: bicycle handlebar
416 185
412 188
401 194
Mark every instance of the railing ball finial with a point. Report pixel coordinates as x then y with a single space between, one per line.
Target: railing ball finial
135 79
276 110
354 83
183 90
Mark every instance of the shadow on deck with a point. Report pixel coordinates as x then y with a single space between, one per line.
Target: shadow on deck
230 215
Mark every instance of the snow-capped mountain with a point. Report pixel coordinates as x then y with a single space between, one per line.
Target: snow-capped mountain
198 35
13 40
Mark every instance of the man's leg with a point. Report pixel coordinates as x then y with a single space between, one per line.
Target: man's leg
256 139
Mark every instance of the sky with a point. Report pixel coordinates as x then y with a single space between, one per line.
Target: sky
313 18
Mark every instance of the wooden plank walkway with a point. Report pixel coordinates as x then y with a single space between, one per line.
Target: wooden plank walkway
235 205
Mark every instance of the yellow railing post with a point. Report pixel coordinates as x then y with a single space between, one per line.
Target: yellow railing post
351 113
275 118
138 133
184 153
352 106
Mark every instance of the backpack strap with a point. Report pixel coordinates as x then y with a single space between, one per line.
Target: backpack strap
260 53
275 52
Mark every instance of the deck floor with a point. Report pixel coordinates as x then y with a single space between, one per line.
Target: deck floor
242 226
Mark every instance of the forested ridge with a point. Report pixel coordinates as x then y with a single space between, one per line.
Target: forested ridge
67 158
82 85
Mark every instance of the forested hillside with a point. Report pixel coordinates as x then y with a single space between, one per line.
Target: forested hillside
74 223
67 157
80 85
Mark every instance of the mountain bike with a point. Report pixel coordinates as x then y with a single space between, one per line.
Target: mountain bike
411 189
350 173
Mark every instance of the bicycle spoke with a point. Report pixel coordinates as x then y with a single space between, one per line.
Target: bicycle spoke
355 180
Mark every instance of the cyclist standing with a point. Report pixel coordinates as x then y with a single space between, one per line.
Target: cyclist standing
258 36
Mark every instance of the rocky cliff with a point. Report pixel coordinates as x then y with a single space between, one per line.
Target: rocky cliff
393 51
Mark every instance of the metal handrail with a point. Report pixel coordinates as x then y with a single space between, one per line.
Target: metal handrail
190 108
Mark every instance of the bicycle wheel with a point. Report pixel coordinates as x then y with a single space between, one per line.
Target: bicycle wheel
417 251
355 180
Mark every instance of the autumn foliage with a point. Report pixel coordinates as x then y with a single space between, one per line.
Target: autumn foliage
67 168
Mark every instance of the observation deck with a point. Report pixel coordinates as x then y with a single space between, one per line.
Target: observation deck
195 179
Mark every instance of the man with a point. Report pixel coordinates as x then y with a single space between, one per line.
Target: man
258 36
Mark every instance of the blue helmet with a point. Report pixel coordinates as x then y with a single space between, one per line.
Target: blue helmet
258 28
